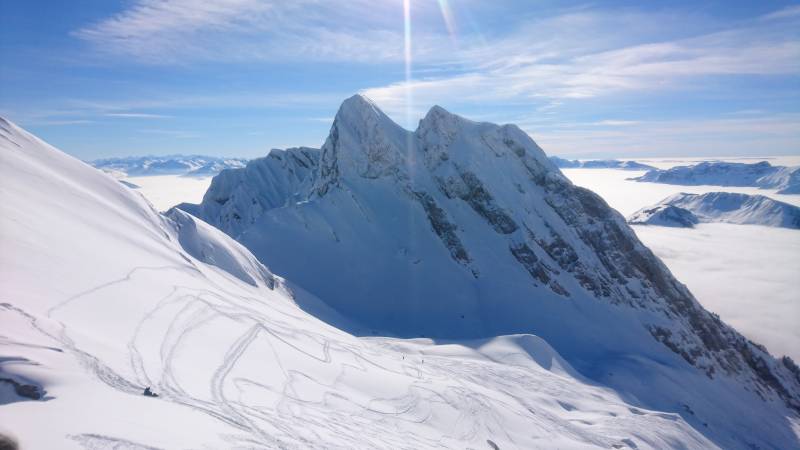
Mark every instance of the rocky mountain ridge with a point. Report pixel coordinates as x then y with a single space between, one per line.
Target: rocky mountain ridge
467 229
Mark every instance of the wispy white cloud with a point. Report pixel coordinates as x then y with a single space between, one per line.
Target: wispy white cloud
183 31
321 119
615 123
518 71
178 134
744 135
62 122
82 111
526 71
788 12
136 115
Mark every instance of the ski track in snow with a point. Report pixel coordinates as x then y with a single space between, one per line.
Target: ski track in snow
227 404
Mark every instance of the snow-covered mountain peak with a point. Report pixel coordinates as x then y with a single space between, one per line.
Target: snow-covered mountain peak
441 120
358 103
467 229
363 143
359 115
687 209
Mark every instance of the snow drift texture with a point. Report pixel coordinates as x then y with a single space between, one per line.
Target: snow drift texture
685 210
466 230
786 180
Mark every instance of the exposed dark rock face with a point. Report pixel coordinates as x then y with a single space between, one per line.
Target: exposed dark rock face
482 202
528 259
445 229
29 391
8 443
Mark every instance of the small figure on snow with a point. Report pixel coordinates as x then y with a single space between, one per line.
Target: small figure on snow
149 393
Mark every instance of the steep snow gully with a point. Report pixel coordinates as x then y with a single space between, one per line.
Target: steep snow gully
545 323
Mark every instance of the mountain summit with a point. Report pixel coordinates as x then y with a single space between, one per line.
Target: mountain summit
465 229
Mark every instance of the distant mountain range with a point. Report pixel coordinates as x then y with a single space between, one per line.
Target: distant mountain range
598 164
186 165
686 210
786 180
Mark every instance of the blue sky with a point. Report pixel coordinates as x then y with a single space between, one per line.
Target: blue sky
102 78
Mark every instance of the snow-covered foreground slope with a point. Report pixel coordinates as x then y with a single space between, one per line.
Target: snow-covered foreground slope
688 209
786 180
464 229
102 296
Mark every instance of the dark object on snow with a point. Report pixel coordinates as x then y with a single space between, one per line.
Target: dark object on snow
30 391
8 443
149 393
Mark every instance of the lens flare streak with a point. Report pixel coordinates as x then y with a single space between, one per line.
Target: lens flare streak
449 20
407 55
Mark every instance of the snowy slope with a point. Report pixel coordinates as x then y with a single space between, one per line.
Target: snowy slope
786 180
725 207
187 165
599 164
102 296
467 230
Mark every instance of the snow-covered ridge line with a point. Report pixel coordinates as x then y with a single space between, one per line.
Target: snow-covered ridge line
186 165
562 163
685 210
467 229
786 180
237 198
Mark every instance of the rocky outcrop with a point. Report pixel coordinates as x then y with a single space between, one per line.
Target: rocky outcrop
443 227
29 391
